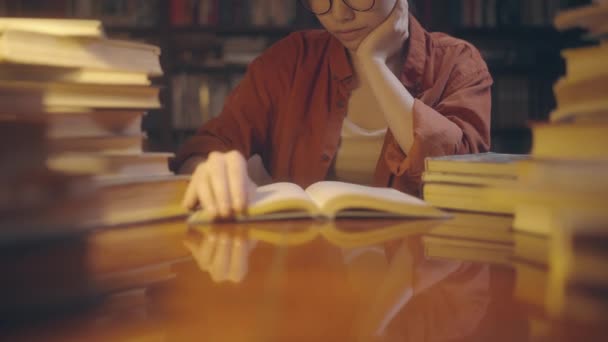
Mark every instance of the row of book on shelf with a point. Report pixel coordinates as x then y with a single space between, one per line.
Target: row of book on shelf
496 13
543 213
72 161
240 13
123 13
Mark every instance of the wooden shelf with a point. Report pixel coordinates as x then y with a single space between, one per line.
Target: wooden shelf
532 69
237 31
133 30
227 68
507 32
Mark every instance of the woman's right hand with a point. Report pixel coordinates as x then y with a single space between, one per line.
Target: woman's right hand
220 185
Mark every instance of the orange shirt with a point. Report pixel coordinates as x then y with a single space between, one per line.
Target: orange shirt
291 103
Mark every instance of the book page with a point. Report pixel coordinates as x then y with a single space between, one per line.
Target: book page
332 197
281 197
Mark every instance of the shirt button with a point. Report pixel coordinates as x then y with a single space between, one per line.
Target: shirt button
325 157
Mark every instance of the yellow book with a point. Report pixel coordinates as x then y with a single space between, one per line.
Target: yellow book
562 174
100 123
583 97
330 199
21 72
466 197
469 179
538 211
484 164
112 165
585 63
581 141
587 17
111 144
24 47
55 27
22 96
137 199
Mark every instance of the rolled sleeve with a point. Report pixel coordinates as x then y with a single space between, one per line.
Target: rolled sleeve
459 123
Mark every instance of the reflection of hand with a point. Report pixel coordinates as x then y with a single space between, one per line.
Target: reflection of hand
386 39
223 256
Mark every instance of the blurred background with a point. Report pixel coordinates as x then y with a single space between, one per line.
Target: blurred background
207 44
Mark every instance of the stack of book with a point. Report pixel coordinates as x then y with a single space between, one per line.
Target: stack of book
37 201
460 182
72 159
560 200
481 228
92 93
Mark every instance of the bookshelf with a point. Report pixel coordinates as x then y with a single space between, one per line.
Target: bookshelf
522 50
207 50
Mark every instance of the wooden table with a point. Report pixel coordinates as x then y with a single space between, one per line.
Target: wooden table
355 280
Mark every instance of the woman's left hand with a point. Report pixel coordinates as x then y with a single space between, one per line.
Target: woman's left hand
386 39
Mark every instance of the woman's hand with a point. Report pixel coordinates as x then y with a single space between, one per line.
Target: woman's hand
388 38
220 185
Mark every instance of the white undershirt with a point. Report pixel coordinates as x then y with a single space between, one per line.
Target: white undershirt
358 153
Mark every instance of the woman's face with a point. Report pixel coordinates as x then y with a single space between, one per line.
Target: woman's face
350 27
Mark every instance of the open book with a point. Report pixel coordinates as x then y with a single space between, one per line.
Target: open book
329 199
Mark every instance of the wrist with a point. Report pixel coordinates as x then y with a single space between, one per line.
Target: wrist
190 164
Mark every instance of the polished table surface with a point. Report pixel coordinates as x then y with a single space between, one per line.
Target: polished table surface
352 280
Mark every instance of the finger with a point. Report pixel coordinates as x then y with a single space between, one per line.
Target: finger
205 194
237 181
190 200
218 178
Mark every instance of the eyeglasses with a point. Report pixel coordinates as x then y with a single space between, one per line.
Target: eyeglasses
320 7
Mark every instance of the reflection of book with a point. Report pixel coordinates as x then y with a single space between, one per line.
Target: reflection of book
330 199
473 226
467 250
533 286
531 248
345 233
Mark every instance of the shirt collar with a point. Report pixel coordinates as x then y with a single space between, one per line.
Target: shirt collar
415 57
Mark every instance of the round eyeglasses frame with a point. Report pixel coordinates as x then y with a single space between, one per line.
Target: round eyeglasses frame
331 3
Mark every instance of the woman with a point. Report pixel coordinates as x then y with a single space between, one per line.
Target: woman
364 101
